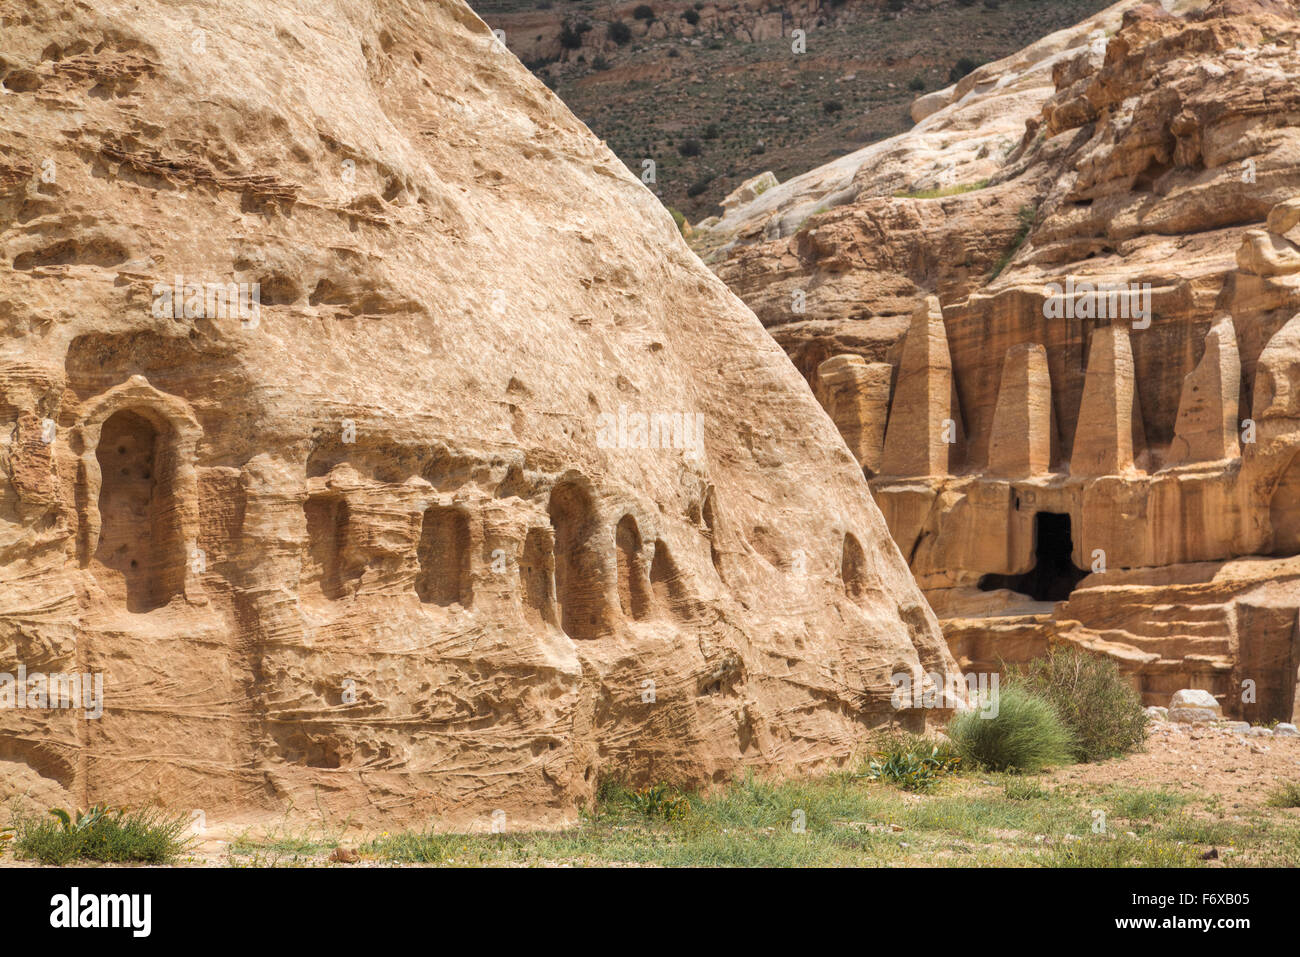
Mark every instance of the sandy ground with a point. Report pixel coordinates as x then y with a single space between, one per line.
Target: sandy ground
1206 761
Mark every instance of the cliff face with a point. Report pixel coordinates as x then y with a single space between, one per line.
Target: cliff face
1119 288
374 436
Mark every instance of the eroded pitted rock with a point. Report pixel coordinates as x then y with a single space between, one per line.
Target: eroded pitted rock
374 435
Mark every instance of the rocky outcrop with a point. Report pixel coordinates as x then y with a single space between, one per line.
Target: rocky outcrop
1142 233
371 433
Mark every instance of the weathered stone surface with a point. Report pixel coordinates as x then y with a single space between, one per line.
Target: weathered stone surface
496 491
855 393
1110 420
1022 439
1194 698
1206 428
924 420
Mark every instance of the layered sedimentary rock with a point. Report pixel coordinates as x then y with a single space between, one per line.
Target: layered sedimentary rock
856 395
1206 427
923 417
1022 441
1109 427
1142 233
372 434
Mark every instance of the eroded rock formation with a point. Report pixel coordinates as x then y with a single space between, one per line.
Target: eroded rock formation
1120 296
371 431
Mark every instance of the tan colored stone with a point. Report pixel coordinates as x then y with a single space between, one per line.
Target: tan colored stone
1104 439
1206 430
1021 442
1263 253
855 393
924 421
496 492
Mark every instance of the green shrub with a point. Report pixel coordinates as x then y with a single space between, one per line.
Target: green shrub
691 17
643 11
698 187
1099 707
1025 217
660 801
916 83
1024 734
962 67
913 762
1285 795
619 32
101 834
571 34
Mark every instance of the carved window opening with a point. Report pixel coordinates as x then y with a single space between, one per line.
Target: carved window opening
140 555
444 556
633 587
328 518
537 570
853 568
579 569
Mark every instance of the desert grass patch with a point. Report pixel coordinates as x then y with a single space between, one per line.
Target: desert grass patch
1137 804
1286 794
102 834
843 819
1023 732
942 191
1111 851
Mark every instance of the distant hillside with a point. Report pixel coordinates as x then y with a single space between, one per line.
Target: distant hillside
713 93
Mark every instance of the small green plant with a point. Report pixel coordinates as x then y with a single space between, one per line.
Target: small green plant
1022 732
916 84
1094 700
912 762
111 835
1286 794
661 801
1025 217
643 11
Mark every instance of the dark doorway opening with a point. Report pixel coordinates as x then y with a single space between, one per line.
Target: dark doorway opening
1054 574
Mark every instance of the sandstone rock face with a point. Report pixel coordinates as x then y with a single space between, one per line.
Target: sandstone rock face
922 424
370 431
856 395
1137 492
1021 444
